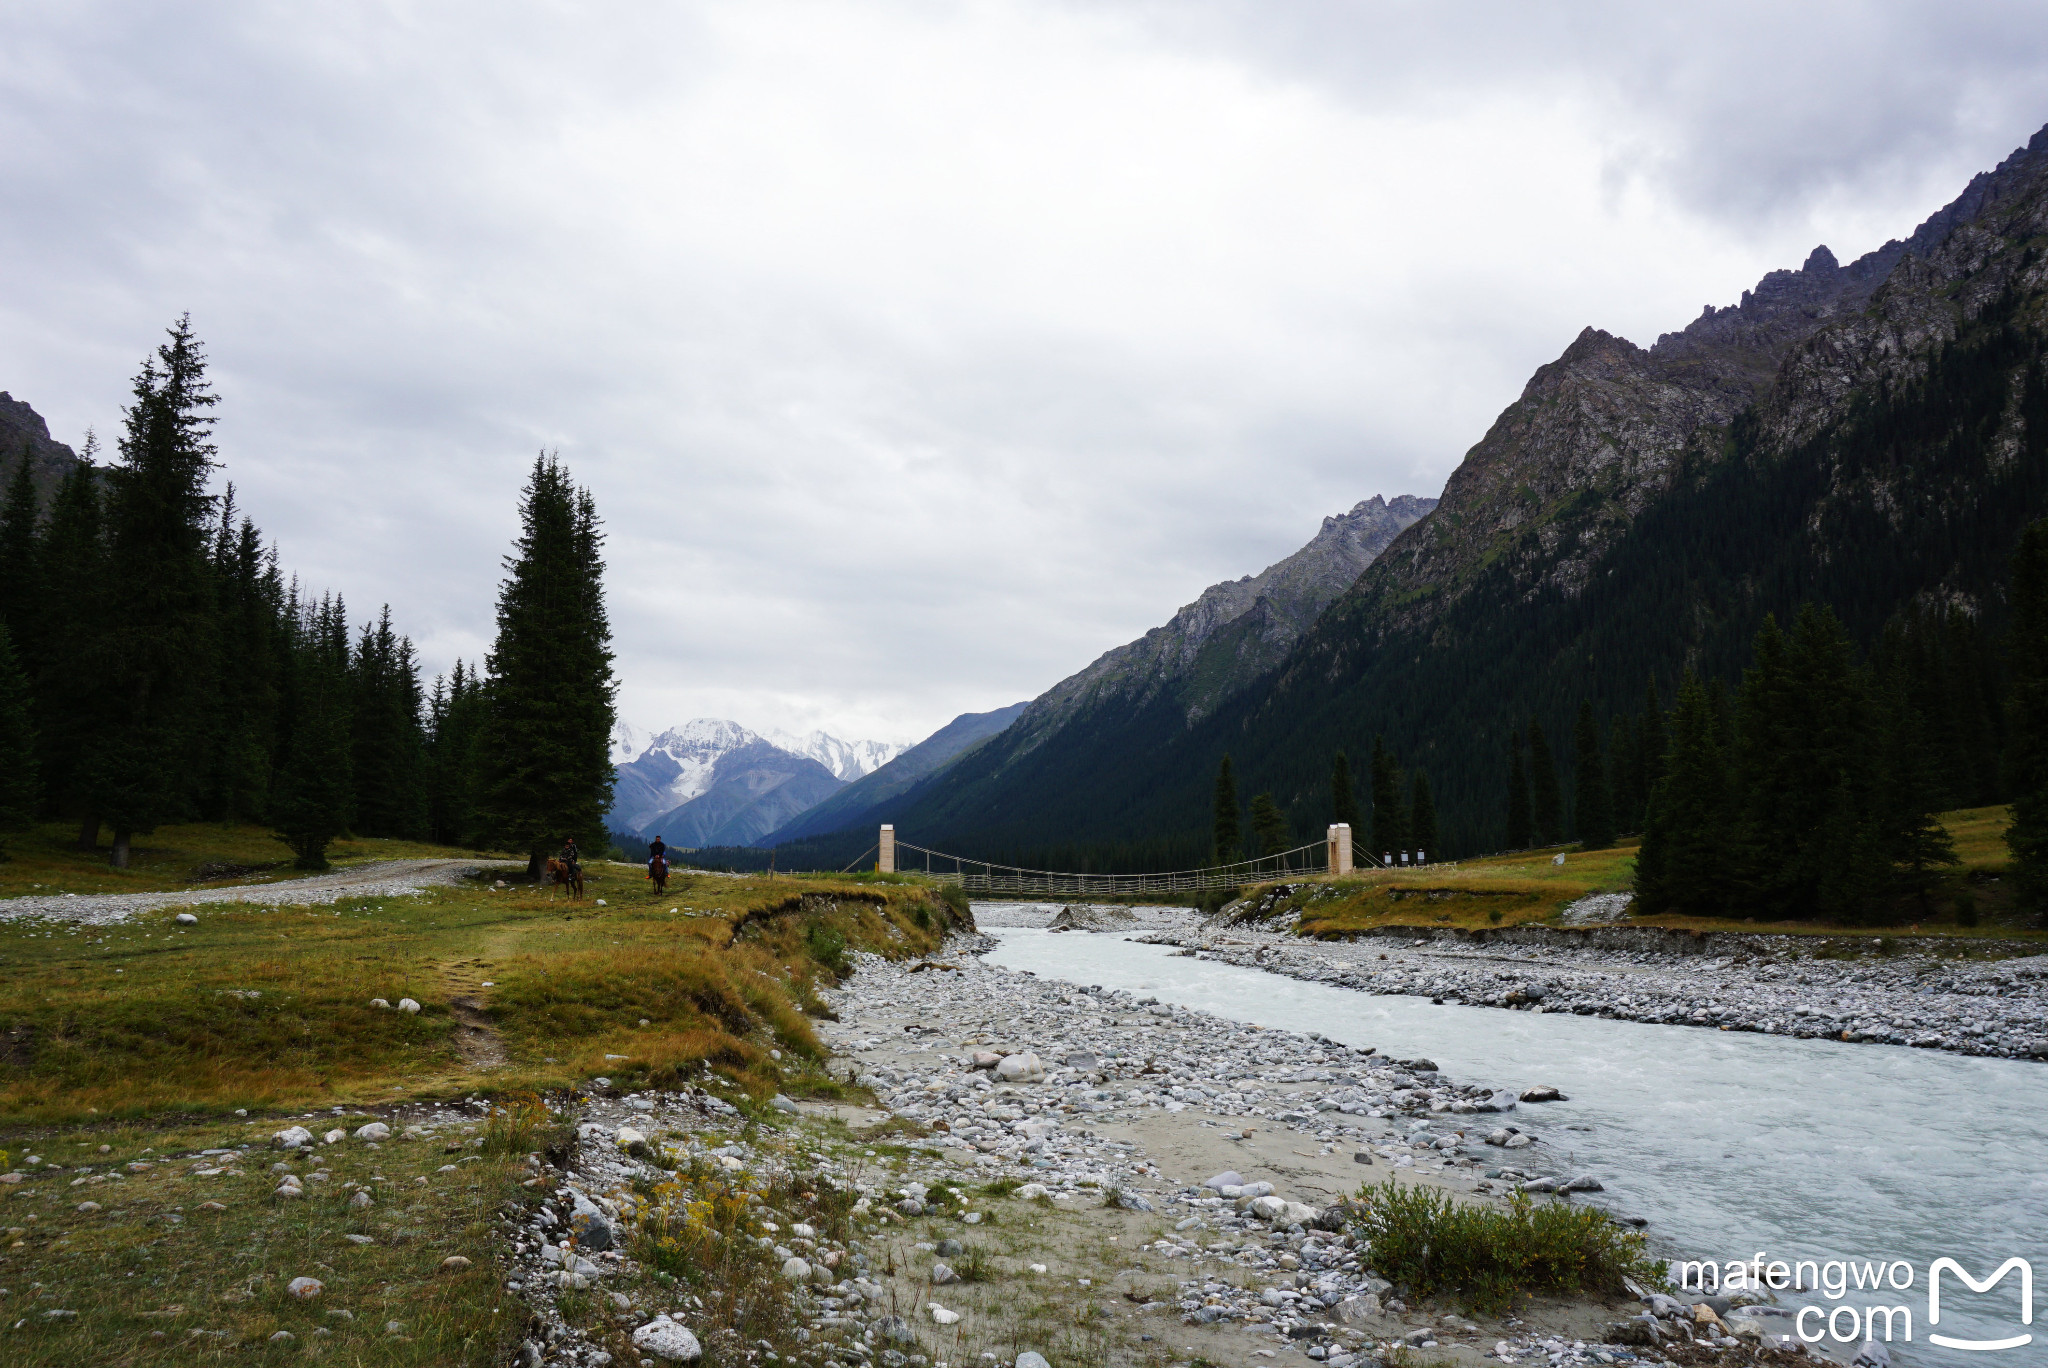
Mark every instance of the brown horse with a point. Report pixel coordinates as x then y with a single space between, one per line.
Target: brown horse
657 870
562 877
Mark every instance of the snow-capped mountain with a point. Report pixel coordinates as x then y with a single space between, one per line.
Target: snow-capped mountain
659 774
848 760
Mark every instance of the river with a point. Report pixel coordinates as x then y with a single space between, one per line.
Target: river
1731 1144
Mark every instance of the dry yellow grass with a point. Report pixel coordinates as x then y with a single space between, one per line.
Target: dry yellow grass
1529 886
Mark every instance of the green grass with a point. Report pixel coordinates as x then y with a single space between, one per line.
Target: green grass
158 1276
1428 1240
47 859
1973 900
258 1007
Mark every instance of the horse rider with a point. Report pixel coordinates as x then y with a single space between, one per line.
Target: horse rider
657 849
571 858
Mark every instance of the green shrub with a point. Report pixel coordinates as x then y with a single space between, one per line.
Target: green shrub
1421 1237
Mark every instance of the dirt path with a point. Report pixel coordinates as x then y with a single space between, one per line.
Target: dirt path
386 878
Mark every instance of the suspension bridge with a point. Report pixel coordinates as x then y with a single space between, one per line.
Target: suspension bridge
1331 855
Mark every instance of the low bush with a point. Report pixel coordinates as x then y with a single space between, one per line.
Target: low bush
1422 1237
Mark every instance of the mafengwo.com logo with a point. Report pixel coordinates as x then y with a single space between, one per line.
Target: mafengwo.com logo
1864 1300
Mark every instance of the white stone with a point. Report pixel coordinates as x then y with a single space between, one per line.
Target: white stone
292 1138
334 1137
943 1316
375 1130
1031 1192
1020 1068
362 1198
796 1270
380 1002
1031 1359
1269 1208
631 1140
407 1005
187 919
305 1289
668 1341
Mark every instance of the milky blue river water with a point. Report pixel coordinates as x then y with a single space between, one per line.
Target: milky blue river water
1730 1143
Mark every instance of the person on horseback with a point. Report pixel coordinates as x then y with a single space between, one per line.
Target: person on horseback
657 849
657 864
572 858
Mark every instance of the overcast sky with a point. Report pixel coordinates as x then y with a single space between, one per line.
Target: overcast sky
916 353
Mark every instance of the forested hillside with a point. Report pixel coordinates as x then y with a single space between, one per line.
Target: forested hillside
1869 438
157 665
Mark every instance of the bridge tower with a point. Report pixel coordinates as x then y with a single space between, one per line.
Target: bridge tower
885 857
1340 848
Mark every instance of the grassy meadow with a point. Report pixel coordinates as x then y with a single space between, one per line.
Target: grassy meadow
1530 887
48 859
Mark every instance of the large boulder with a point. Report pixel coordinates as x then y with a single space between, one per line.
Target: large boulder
1020 1068
667 1340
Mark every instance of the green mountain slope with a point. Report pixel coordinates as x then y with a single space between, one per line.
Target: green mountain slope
1868 436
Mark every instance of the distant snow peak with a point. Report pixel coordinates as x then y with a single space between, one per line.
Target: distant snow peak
848 760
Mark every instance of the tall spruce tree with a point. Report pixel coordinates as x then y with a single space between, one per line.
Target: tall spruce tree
1910 792
1650 748
21 579
1521 820
1389 813
1343 795
389 746
315 790
1269 826
1683 863
1623 735
251 643
67 701
1546 799
1592 810
548 735
1224 814
1422 817
456 721
2026 756
154 649
19 789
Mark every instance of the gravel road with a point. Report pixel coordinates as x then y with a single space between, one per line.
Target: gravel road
386 878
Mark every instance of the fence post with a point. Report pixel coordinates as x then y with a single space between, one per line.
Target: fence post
1340 848
885 858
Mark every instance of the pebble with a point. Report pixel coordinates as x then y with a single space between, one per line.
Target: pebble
305 1289
187 919
1774 985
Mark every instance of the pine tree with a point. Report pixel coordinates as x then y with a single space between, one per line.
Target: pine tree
251 650
1422 817
2026 757
1521 820
69 699
1389 813
1269 826
21 580
1650 747
548 737
1622 771
19 790
1683 864
1909 796
315 789
388 745
1545 798
154 648
1592 811
1343 796
1225 817
456 724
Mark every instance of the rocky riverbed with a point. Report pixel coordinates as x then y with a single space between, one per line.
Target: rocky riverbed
1776 985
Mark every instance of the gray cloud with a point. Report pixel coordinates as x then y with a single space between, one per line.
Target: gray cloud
915 354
